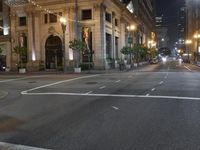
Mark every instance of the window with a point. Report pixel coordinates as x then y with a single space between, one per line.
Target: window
108 45
1 25
22 21
116 22
1 5
45 18
52 18
108 17
86 14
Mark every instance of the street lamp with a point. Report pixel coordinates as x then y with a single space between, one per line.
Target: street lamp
130 28
63 25
188 42
197 37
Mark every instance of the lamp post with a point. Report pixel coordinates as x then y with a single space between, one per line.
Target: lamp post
197 37
130 28
188 42
63 25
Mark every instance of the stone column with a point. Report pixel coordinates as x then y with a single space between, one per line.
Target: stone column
37 36
30 36
122 39
99 37
113 36
14 40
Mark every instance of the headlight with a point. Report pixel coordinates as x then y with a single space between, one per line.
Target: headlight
164 59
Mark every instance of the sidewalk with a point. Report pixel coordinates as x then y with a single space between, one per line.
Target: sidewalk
117 70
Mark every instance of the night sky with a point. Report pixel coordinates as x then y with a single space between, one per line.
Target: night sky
170 8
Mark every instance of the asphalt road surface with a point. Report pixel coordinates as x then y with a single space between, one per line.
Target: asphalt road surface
156 107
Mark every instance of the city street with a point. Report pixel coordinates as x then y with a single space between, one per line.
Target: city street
154 107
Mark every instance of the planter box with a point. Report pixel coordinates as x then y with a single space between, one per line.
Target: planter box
135 64
128 66
22 70
7 70
77 70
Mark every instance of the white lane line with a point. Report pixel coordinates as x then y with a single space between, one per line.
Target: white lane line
8 146
89 92
130 77
147 94
161 82
103 87
18 79
187 68
115 95
56 83
153 89
116 108
117 81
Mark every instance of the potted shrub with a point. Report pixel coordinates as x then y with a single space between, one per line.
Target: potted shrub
127 51
78 46
22 54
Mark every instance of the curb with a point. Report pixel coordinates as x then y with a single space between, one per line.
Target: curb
7 146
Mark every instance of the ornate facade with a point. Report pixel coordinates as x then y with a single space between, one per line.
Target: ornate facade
5 45
102 24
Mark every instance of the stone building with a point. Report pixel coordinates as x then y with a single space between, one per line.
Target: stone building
193 25
102 24
5 45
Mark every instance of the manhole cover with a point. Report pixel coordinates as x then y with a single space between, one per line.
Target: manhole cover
91 82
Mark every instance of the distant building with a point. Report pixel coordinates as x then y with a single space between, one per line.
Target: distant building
159 21
5 45
181 26
101 24
193 25
161 32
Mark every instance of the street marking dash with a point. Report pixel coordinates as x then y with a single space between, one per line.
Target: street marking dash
116 108
90 92
117 81
153 89
161 82
147 95
103 87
